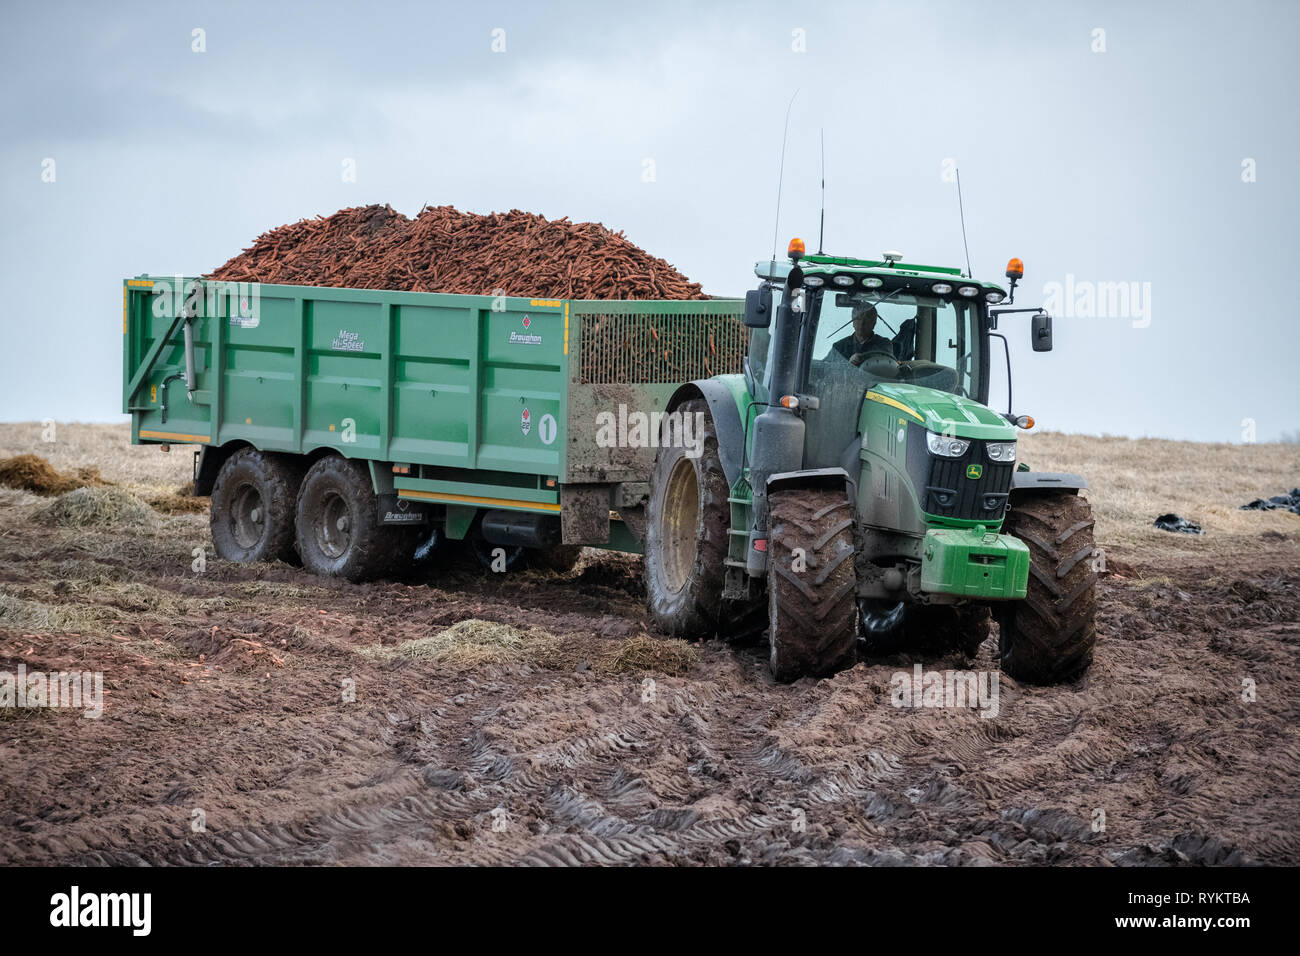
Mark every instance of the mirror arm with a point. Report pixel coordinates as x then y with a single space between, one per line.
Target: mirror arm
1006 348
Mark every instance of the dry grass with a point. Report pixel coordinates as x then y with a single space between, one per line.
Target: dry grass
98 508
142 469
24 614
642 652
1134 480
33 473
473 642
468 642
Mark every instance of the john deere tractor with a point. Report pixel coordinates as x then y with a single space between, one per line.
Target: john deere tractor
854 482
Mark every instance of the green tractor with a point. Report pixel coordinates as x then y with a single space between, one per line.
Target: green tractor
854 481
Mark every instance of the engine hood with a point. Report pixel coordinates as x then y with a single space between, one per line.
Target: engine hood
941 411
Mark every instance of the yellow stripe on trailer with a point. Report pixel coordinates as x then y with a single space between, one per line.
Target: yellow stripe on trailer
448 498
893 403
177 437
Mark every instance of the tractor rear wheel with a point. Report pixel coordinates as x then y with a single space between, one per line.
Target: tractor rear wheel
253 507
339 534
687 520
1049 636
812 625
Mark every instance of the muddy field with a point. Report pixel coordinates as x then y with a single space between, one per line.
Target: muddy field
259 715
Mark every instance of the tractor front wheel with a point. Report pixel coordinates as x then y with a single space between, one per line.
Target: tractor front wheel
812 626
1049 636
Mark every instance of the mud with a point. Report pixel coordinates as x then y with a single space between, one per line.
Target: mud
229 712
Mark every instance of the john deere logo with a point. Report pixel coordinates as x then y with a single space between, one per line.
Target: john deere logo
974 471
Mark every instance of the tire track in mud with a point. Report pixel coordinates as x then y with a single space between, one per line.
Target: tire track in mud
509 764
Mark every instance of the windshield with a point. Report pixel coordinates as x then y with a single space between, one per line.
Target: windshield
869 337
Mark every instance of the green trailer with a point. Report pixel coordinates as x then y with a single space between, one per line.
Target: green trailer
503 419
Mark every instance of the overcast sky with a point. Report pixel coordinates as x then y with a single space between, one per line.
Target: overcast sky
1109 143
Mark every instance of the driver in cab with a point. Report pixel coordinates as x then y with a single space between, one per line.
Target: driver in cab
864 340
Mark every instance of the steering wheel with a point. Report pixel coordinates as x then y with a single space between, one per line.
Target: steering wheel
879 364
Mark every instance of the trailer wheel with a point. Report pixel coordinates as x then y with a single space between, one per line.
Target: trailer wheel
687 520
252 509
1049 636
810 583
339 534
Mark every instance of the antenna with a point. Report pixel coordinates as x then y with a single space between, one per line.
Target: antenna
961 209
822 232
776 227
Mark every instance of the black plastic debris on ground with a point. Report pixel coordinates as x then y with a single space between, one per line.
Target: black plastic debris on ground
1172 522
1289 503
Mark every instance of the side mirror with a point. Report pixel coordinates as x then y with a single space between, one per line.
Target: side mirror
1040 331
758 307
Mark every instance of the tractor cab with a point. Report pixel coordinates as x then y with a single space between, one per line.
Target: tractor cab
863 322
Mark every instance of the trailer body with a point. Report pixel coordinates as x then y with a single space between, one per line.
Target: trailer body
458 403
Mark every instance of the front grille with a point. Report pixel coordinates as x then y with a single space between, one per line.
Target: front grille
945 490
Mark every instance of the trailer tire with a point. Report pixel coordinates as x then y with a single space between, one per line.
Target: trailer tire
1049 636
687 523
339 534
812 612
253 505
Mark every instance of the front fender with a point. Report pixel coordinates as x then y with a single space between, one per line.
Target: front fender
1044 480
836 478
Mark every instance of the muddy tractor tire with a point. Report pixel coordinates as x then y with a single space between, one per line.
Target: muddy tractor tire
812 611
1049 636
688 518
252 510
339 534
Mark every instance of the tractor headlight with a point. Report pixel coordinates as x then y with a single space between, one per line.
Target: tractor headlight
813 282
945 446
1001 450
